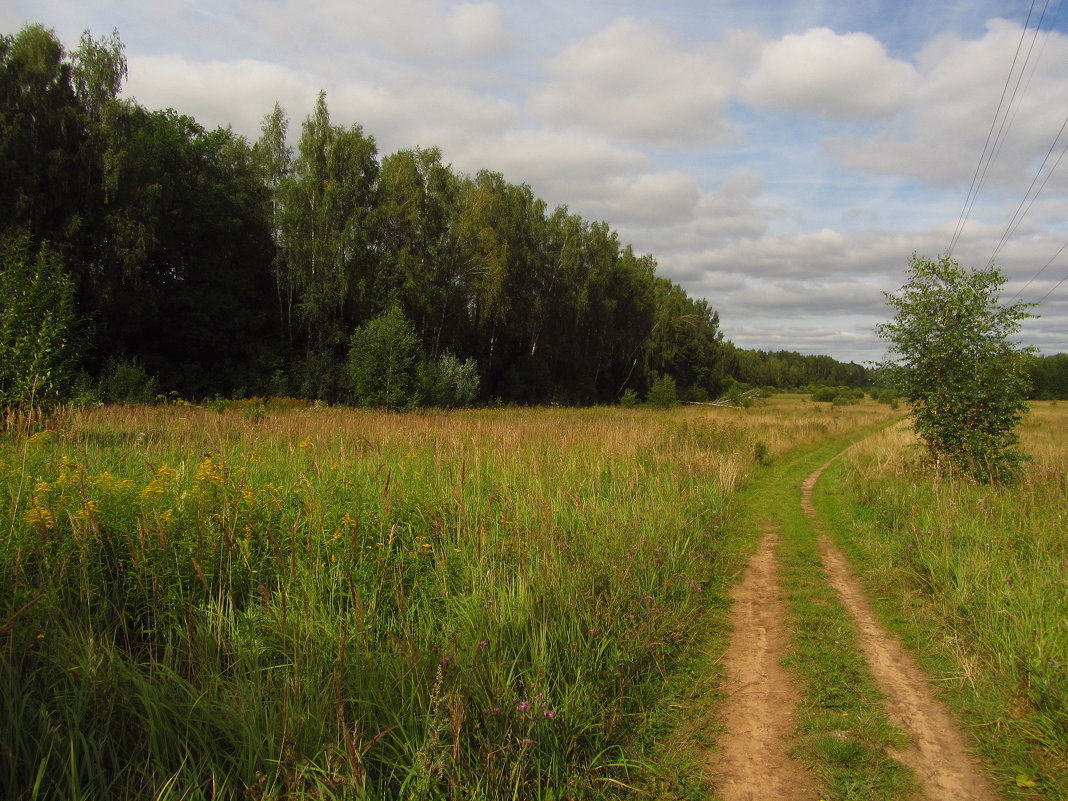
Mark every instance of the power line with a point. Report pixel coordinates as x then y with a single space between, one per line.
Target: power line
989 150
1039 273
1017 216
1052 288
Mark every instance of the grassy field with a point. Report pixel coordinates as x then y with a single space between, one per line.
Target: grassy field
277 601
975 577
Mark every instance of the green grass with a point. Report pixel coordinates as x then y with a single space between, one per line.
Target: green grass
292 602
843 732
973 578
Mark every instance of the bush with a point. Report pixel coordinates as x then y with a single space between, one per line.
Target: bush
36 314
126 382
629 399
383 357
663 394
448 382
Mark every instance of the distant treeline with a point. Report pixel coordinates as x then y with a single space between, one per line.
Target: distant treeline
1049 377
145 254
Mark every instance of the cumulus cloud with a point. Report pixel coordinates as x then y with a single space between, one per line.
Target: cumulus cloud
478 29
562 167
242 91
941 137
415 113
841 76
635 80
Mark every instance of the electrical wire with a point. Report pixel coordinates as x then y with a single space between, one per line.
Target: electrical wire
989 149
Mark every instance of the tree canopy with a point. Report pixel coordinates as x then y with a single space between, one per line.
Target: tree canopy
215 266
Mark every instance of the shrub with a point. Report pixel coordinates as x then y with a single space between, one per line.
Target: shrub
383 356
663 394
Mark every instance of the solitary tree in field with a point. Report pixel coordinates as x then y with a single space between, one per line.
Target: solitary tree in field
952 359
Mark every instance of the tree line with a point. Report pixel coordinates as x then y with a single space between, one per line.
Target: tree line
143 253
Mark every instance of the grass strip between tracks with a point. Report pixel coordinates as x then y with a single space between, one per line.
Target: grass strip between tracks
843 731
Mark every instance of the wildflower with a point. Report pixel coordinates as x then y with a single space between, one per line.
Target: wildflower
483 643
306 445
40 517
550 713
522 706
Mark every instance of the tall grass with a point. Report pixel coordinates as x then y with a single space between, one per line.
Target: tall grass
979 576
307 602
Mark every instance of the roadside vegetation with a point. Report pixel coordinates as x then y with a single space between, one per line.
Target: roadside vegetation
973 576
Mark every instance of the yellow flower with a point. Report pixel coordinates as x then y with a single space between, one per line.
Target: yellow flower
306 444
152 488
42 437
209 472
40 517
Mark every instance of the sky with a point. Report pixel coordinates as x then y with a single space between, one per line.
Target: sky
782 159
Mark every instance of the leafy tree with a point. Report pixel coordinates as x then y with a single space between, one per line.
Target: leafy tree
42 136
326 225
98 69
953 361
36 315
1049 375
383 357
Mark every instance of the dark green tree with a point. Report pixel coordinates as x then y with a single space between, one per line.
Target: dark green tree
953 360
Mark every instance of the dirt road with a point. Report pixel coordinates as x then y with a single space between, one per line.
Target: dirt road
751 760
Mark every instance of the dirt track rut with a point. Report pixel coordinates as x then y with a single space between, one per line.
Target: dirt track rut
937 752
751 761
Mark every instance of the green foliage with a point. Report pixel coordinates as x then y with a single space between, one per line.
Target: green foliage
663 394
448 382
839 396
629 399
383 356
127 382
36 315
953 361
1049 377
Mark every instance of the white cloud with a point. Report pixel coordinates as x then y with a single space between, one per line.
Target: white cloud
562 167
634 80
478 29
841 76
960 83
242 91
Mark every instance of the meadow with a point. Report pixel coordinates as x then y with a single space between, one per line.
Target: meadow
975 578
274 600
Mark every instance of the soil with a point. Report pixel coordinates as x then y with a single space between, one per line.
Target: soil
937 754
752 761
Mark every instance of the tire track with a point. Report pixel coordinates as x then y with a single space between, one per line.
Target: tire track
938 754
751 762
